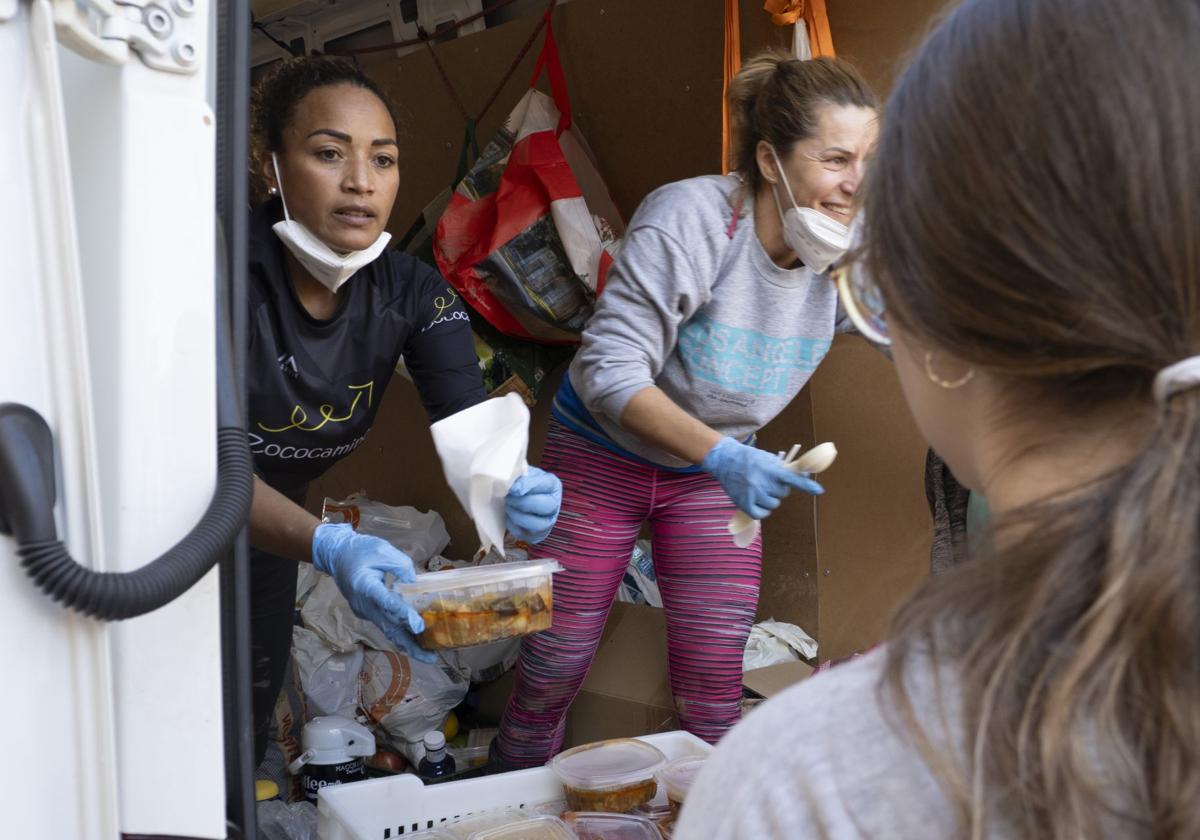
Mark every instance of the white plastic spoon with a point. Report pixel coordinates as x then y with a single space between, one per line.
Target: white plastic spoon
818 459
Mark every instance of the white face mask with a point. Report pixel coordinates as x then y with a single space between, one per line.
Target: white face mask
817 239
326 265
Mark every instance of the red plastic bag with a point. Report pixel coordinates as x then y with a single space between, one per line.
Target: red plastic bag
531 230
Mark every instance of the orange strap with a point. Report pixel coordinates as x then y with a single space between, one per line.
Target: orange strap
820 38
784 12
816 18
733 62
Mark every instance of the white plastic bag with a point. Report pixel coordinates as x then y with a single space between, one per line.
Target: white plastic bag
640 584
419 535
327 613
484 663
329 677
277 820
773 642
407 698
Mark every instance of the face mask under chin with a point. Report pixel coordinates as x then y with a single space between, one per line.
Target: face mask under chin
328 267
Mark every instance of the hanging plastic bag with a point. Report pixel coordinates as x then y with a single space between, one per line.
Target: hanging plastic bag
531 231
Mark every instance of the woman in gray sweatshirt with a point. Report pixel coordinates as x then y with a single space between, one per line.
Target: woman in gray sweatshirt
714 316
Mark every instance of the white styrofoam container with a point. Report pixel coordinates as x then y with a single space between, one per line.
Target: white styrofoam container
381 809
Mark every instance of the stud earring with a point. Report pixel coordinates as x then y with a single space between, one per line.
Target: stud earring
948 384
273 190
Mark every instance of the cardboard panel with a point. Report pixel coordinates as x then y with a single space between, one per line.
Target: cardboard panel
769 681
873 522
877 34
789 575
627 691
650 121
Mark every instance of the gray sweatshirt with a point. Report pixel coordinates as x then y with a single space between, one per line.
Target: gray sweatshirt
694 305
825 759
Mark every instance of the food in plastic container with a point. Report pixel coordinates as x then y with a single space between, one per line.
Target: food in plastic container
535 828
463 607
600 826
612 776
677 777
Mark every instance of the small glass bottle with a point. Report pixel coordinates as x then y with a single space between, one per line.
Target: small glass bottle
437 763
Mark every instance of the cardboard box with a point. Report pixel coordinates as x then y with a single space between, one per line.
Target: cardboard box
627 692
769 681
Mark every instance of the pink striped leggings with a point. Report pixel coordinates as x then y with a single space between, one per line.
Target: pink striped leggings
709 590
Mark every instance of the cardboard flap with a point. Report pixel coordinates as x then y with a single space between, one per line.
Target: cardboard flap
769 681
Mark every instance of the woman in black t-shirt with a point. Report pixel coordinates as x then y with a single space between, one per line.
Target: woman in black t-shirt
331 311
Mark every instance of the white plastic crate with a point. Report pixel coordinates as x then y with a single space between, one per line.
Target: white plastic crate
383 809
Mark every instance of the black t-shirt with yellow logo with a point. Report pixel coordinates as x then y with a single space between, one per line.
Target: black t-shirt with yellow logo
315 386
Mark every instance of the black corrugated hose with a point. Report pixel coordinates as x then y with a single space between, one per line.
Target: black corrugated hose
27 498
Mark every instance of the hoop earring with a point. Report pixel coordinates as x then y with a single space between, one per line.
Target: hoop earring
948 384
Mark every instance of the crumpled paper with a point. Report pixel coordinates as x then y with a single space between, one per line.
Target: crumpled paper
483 450
773 642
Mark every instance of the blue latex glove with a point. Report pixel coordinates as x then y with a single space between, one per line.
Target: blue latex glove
755 480
532 504
357 563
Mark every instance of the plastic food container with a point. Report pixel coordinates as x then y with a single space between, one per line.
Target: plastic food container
657 809
480 604
481 822
599 826
537 828
433 834
677 778
612 776
552 809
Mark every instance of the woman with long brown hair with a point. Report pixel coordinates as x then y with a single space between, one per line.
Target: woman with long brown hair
1033 254
715 314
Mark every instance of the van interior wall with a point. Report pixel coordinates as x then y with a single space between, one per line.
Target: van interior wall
873 524
645 86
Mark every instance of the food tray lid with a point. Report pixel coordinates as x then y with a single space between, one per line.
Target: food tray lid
678 775
606 765
596 826
537 828
452 579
